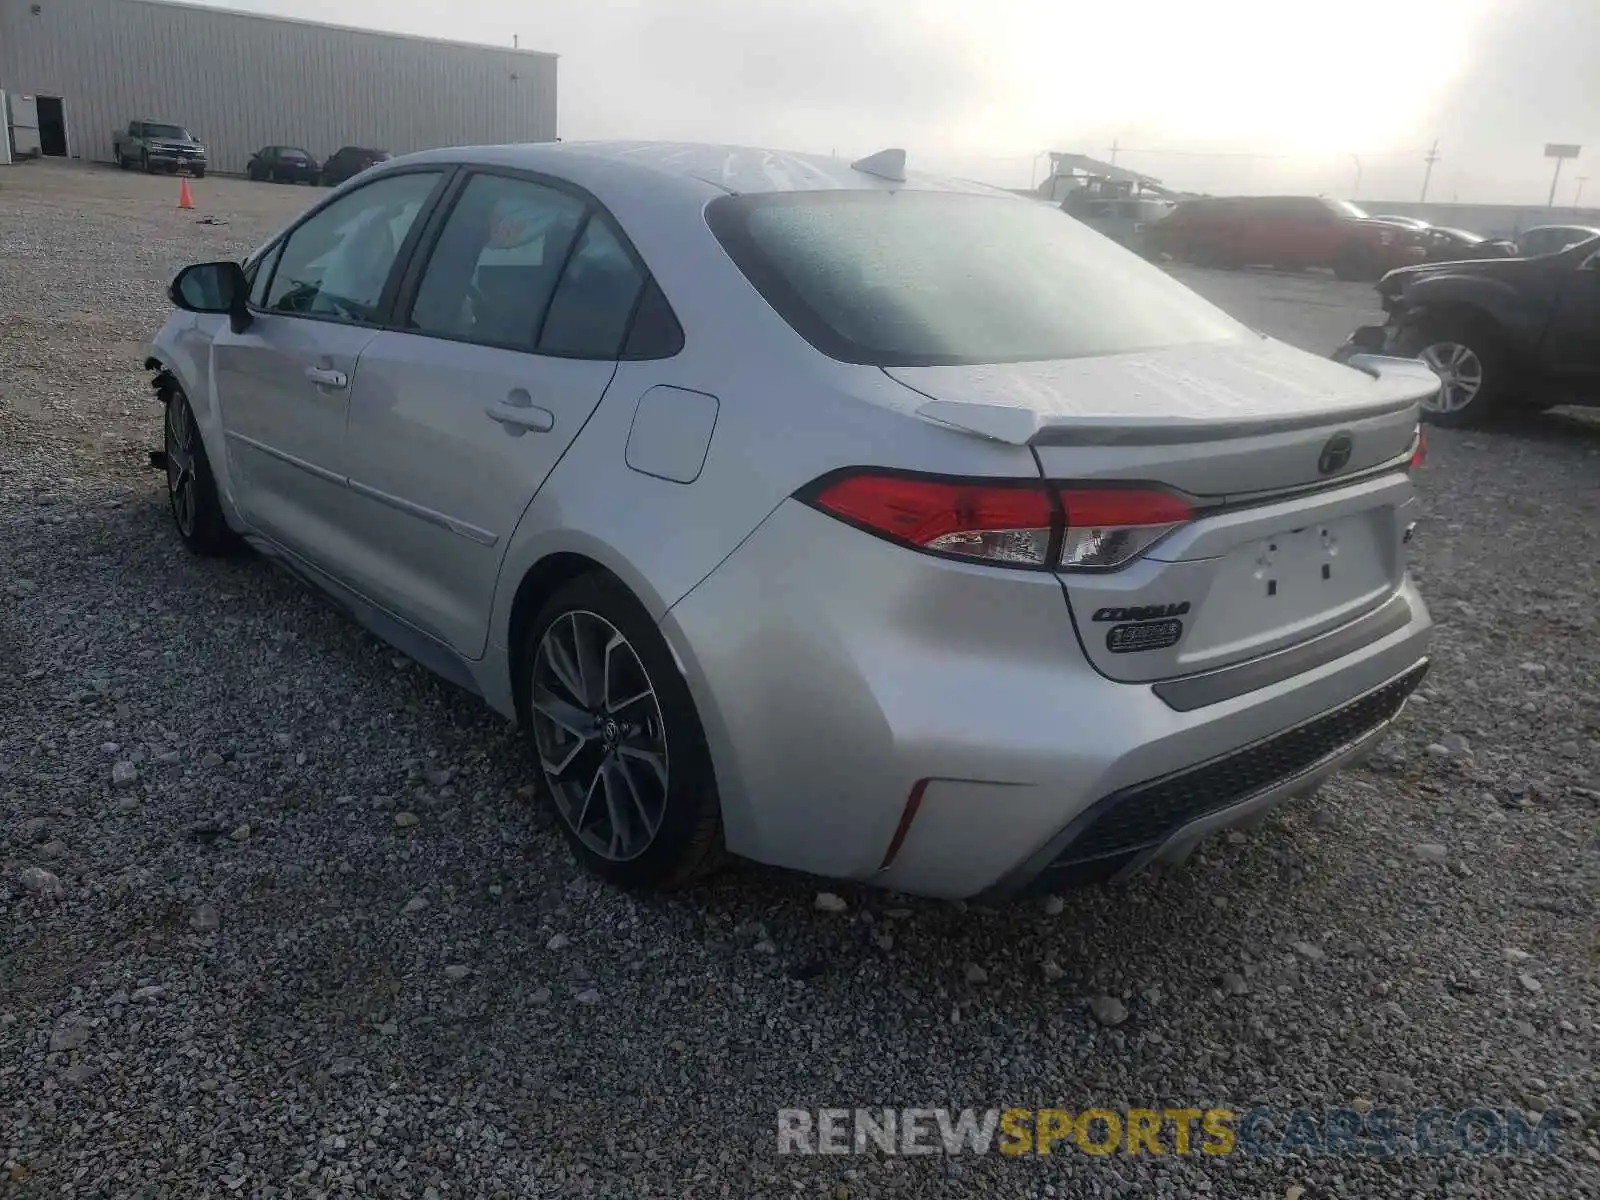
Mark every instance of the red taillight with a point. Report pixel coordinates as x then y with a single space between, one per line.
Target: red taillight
1419 451
1006 523
1014 524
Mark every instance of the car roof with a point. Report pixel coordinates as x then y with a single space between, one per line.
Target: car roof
737 170
1592 232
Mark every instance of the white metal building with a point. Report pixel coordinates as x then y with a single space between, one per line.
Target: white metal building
240 81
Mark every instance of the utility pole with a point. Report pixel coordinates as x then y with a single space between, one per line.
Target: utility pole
1432 157
1115 146
1577 200
1356 192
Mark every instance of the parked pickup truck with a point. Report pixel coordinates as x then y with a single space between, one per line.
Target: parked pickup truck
1500 333
158 146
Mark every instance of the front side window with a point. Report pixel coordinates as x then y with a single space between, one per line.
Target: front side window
913 278
259 272
338 262
496 263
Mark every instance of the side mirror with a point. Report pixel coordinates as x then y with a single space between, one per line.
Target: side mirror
216 288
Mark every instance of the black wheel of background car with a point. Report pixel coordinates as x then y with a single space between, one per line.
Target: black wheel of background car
1354 263
253 173
116 157
620 745
1470 359
144 161
198 172
191 488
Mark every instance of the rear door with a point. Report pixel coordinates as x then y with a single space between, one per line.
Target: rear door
283 385
460 411
1228 458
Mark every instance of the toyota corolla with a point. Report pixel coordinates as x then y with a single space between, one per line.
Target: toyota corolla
887 527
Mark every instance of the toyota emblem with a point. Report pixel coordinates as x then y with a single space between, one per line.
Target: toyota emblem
1335 455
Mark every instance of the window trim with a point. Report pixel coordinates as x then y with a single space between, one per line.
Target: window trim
422 254
447 173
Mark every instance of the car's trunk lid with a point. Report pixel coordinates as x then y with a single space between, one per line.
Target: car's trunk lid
1259 436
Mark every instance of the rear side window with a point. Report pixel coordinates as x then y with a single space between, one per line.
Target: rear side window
913 278
497 261
598 292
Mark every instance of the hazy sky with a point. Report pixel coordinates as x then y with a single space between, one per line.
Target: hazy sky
1219 95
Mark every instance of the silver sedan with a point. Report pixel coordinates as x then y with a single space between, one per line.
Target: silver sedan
886 527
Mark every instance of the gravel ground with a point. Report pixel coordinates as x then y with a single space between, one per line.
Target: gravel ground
278 917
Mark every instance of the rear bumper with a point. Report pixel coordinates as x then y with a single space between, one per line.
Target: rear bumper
836 676
1164 819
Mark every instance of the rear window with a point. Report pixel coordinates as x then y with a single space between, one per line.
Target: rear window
913 278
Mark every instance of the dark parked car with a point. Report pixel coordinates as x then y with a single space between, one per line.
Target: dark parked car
348 162
1456 245
283 164
1290 232
1499 333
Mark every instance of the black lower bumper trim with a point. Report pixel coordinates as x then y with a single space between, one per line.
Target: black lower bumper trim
1119 828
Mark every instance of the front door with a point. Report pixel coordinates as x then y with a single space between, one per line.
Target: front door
1572 341
458 415
283 385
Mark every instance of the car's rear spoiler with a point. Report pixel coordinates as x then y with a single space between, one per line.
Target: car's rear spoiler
1401 383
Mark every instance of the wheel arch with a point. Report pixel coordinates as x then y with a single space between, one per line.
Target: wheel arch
166 364
539 582
1489 302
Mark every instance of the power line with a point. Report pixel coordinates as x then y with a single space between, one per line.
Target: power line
1432 157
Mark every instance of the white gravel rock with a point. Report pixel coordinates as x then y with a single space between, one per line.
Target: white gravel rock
1108 1010
39 881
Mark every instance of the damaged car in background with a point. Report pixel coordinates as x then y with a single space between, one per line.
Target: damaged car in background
1503 335
877 525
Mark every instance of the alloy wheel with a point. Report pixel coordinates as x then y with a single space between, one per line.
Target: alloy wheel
599 732
1460 373
180 464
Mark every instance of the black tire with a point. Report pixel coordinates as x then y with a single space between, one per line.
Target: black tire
191 487
254 174
1354 263
687 845
198 172
1427 338
122 163
144 161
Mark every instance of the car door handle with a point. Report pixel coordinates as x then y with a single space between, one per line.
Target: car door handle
327 377
517 414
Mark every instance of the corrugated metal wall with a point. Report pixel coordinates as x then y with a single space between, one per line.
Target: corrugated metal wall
240 81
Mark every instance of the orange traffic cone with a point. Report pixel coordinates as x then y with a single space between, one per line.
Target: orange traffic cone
184 199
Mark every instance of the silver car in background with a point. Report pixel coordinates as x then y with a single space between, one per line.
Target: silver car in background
890 528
